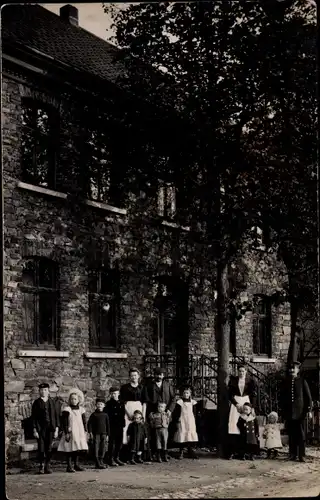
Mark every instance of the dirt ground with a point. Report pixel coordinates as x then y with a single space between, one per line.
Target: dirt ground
208 477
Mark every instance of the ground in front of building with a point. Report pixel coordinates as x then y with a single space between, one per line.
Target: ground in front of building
208 477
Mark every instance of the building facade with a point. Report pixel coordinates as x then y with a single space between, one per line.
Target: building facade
96 282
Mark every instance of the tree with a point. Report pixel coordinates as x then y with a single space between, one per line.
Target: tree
220 66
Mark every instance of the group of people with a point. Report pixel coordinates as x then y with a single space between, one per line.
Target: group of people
132 425
138 419
243 428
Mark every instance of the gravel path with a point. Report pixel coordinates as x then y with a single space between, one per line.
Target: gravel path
208 477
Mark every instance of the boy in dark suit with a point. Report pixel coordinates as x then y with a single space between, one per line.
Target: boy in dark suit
45 421
99 429
115 410
296 404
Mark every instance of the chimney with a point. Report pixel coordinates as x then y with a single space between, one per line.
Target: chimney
69 13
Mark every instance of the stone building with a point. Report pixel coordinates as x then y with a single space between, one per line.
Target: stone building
96 282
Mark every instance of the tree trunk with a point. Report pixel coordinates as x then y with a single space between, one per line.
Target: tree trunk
294 335
223 355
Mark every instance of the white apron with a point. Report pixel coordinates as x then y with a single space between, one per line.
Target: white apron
186 431
78 438
130 408
234 414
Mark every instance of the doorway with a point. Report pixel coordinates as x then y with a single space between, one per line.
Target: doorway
172 325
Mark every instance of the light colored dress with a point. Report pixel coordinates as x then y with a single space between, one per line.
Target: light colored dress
78 439
272 436
186 428
234 414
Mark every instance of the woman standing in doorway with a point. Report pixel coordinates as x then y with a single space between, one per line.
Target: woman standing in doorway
242 389
132 396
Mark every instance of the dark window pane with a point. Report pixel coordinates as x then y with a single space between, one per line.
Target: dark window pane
28 316
103 309
47 314
46 274
40 307
94 323
108 325
98 159
262 328
39 143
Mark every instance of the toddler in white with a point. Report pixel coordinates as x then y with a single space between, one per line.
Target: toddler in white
272 435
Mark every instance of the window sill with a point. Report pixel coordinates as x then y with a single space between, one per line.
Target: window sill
174 225
105 206
263 359
42 190
64 196
106 355
37 353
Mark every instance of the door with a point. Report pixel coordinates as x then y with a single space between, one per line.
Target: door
173 324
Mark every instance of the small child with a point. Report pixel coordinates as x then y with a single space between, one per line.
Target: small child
99 430
184 416
137 438
159 423
74 427
116 413
272 435
249 432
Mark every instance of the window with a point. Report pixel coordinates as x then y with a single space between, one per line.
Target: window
262 326
261 236
98 163
39 143
103 308
167 200
40 302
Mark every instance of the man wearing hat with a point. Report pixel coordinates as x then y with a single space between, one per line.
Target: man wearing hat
158 391
296 404
45 419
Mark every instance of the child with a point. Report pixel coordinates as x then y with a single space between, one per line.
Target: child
116 413
272 435
99 430
74 426
184 416
159 423
249 432
137 438
45 421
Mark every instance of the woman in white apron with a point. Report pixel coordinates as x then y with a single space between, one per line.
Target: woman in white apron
241 390
132 395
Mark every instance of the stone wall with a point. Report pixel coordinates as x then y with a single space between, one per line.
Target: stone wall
42 225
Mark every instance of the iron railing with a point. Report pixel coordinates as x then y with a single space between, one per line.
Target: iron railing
203 377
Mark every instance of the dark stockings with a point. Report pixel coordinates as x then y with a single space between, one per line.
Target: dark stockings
73 462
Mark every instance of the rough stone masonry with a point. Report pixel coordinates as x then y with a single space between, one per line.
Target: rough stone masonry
38 224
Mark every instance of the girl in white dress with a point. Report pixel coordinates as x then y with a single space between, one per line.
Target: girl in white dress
74 425
272 435
184 416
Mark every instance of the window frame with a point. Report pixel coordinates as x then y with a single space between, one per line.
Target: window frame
166 202
265 319
39 292
52 138
97 297
97 173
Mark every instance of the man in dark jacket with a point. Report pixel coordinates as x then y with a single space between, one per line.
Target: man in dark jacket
45 420
296 404
158 391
